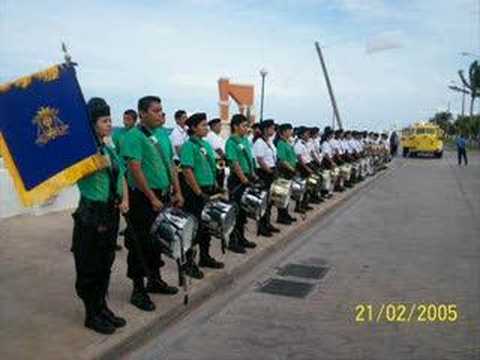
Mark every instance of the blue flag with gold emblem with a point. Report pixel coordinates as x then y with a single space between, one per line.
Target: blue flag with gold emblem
46 138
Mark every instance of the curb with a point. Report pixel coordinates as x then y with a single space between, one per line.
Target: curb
142 335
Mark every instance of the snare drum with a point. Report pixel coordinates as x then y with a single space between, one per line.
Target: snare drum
219 216
173 232
327 184
314 184
280 193
336 177
299 187
255 202
346 172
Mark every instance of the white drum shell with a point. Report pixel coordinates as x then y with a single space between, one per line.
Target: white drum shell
174 228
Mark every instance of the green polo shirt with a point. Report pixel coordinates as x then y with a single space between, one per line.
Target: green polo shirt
286 153
118 136
166 145
198 154
239 150
96 187
156 168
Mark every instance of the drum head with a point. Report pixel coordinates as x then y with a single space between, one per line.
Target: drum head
173 232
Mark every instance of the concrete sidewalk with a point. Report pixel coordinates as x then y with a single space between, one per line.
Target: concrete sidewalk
41 316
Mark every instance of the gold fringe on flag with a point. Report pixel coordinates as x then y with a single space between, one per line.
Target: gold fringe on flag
50 74
53 185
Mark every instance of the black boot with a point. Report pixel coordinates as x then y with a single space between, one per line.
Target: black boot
115 320
243 240
108 314
191 268
272 228
283 219
209 262
263 230
94 320
140 297
234 244
205 259
158 286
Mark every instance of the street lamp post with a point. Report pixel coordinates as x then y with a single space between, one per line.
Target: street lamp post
263 74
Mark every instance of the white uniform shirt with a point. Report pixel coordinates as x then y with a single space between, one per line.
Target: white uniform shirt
350 146
266 151
314 148
356 145
327 148
215 141
178 137
344 146
336 146
301 149
361 145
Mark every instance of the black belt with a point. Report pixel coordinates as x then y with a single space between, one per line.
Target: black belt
156 191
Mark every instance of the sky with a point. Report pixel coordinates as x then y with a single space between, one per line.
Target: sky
390 61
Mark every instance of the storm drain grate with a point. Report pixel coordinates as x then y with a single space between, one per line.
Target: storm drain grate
286 288
304 271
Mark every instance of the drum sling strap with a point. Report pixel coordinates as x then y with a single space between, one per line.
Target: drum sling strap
155 143
203 151
113 173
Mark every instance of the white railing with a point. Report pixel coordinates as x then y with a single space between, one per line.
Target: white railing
10 204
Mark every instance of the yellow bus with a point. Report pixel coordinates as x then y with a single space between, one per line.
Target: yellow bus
406 139
423 138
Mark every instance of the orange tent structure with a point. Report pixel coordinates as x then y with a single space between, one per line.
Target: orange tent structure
243 95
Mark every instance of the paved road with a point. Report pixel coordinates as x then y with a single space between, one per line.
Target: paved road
413 237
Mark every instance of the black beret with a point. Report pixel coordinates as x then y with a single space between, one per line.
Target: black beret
196 119
328 130
302 130
214 122
97 107
285 127
265 124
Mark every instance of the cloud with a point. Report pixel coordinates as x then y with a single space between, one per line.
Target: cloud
384 41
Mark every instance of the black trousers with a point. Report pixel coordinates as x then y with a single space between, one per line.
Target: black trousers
462 154
235 192
94 253
307 197
143 257
268 179
221 178
194 205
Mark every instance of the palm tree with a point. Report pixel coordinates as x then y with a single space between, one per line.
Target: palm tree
473 83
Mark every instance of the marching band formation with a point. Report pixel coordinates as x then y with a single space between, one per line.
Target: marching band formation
182 191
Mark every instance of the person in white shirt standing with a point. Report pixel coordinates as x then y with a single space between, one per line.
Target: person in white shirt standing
266 158
304 164
179 134
314 146
327 150
217 143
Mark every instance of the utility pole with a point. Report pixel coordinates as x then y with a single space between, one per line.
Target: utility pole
329 86
263 74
